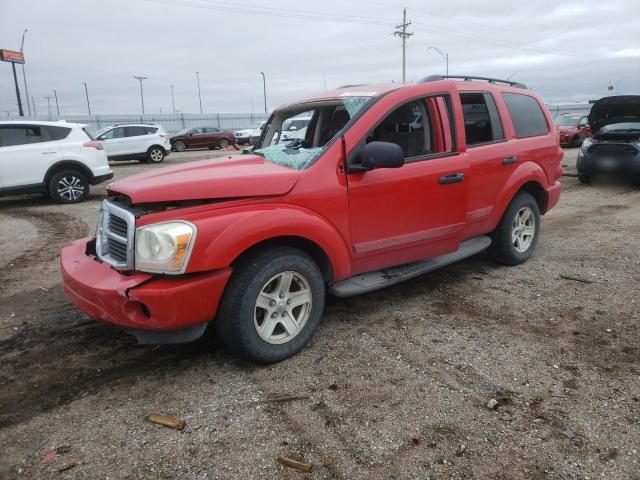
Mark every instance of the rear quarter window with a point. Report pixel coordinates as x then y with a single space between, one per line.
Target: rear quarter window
151 130
58 133
526 114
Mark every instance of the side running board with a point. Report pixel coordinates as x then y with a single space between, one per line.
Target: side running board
370 281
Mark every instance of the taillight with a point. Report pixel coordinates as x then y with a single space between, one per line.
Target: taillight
93 144
164 135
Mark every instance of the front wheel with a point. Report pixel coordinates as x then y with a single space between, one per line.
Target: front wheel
272 305
223 144
155 155
516 236
179 146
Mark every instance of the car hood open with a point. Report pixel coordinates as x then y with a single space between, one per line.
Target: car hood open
217 178
618 109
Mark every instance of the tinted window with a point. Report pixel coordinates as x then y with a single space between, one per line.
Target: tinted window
151 130
135 131
211 130
19 135
481 119
58 133
526 115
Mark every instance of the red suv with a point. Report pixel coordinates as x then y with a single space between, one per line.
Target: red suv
389 182
202 137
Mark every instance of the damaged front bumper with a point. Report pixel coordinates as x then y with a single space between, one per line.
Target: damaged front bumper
156 309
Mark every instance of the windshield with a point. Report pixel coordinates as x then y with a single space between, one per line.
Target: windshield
567 121
317 123
184 131
100 132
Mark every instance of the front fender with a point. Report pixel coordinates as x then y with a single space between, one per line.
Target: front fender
524 173
223 237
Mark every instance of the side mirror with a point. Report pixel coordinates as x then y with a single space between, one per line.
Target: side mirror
382 155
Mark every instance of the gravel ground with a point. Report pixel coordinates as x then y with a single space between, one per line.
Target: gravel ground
395 384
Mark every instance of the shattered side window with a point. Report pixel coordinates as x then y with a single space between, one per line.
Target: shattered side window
294 158
354 104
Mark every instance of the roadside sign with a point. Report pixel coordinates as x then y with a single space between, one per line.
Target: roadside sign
11 56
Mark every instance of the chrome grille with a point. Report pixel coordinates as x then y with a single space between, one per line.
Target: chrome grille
115 236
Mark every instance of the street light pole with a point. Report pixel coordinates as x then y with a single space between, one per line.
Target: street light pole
264 90
49 104
514 74
86 91
443 54
199 94
173 100
140 79
35 114
24 75
57 106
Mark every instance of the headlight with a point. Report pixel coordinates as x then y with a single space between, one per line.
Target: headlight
586 143
164 247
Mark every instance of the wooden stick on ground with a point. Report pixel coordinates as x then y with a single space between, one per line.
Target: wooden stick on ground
166 421
303 467
577 279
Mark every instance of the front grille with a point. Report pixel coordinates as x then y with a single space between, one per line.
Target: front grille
613 149
115 236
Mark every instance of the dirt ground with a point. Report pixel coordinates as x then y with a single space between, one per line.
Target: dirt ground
421 359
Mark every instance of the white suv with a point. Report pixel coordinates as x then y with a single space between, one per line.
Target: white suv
147 143
55 158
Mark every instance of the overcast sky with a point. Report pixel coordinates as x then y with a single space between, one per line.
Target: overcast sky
566 50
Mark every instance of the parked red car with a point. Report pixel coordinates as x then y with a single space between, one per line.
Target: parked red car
573 129
202 137
389 182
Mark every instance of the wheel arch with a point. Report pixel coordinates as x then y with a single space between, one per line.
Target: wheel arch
67 164
156 145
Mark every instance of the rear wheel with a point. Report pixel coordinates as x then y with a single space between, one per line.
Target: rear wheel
155 155
223 144
68 186
516 236
272 305
576 142
583 178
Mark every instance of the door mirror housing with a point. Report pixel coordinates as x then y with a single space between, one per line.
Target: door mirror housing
382 155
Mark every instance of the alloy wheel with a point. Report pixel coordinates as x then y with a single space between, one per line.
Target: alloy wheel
70 188
523 229
283 307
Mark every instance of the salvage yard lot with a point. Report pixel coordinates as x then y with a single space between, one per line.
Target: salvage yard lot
421 359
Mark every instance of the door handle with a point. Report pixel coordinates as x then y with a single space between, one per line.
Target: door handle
509 160
453 178
48 153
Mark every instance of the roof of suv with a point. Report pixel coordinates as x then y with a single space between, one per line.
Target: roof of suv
133 125
60 123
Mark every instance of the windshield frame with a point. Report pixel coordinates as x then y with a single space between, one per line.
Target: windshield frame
373 99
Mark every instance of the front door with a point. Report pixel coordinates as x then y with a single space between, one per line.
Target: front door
112 141
400 215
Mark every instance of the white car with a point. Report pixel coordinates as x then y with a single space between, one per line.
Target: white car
294 128
58 159
249 135
147 143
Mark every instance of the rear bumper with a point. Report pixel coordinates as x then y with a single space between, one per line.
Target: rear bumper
141 302
553 195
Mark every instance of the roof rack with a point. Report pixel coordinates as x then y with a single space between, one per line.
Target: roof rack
472 78
351 86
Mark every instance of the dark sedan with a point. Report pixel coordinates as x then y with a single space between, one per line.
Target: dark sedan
202 137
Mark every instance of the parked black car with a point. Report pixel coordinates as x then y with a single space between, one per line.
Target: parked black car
614 148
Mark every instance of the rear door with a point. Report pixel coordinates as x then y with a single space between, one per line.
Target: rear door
26 152
490 156
399 215
136 140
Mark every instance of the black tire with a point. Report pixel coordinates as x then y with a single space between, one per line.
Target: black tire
68 186
223 144
179 146
583 178
503 248
155 154
237 319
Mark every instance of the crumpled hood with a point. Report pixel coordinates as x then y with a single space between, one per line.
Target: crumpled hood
608 110
230 177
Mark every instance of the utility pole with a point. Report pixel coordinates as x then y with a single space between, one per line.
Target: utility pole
173 100
199 94
86 91
401 31
49 104
57 106
24 75
15 79
264 90
35 114
140 79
